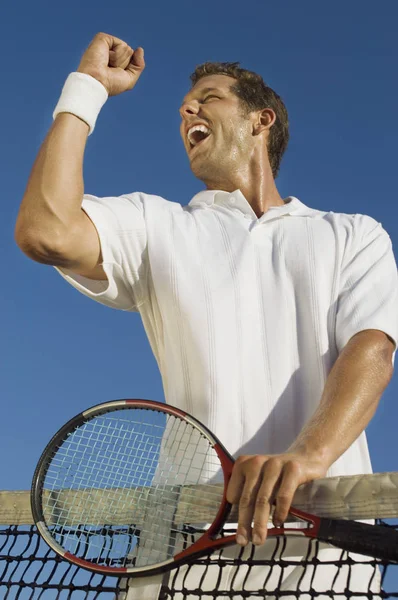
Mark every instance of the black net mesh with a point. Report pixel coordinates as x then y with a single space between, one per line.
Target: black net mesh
30 570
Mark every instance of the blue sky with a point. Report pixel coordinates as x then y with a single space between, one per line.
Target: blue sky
335 66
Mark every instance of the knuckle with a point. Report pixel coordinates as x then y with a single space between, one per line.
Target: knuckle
257 460
283 501
262 501
274 462
283 497
246 501
259 525
294 467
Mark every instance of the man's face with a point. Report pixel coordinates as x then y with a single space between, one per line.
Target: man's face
226 140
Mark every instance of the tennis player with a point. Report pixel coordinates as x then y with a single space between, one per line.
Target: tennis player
272 322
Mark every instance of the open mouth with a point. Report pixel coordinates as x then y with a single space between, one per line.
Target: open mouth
197 134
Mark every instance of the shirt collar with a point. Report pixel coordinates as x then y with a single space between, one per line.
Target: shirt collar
236 200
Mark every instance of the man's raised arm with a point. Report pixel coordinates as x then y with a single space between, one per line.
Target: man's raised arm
51 227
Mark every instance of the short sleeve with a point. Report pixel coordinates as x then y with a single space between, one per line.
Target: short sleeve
368 296
120 224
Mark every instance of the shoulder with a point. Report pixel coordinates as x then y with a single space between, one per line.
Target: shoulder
148 201
361 228
359 236
133 207
137 199
356 225
350 232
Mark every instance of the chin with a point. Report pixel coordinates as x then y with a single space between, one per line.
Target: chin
205 169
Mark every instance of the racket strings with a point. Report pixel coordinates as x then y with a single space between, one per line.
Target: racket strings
131 475
185 445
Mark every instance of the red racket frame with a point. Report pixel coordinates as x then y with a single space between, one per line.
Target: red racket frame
349 535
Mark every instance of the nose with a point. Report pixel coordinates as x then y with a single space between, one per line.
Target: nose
189 108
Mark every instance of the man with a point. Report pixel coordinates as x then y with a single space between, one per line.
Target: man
273 323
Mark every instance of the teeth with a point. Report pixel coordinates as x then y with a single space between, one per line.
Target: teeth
201 128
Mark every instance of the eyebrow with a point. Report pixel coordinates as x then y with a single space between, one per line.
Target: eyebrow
210 89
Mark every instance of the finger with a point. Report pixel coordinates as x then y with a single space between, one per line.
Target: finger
117 44
234 492
236 482
137 58
111 40
120 56
290 481
125 58
264 499
251 468
246 508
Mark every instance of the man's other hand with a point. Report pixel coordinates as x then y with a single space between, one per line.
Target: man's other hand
259 481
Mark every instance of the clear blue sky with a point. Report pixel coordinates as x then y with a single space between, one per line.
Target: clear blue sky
335 66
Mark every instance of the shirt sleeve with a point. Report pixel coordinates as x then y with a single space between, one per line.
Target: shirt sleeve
368 297
120 224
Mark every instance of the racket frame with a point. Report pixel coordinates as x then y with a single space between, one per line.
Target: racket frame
207 543
199 547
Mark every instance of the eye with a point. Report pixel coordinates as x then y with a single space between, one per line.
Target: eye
211 96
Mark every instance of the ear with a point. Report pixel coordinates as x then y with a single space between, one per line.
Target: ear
264 120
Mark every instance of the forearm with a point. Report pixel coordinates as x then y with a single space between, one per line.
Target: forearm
350 397
55 188
349 400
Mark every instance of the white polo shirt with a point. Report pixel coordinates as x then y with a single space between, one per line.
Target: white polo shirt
245 316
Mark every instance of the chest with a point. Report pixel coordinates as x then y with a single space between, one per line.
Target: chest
221 258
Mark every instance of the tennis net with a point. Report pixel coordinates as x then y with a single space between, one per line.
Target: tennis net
29 570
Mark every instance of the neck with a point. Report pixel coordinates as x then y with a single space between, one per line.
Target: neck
256 183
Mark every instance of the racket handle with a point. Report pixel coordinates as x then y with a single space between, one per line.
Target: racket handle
371 540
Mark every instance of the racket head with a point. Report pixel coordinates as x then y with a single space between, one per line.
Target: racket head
115 486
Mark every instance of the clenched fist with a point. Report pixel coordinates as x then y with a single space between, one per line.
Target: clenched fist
113 63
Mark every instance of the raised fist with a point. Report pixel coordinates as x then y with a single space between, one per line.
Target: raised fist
113 63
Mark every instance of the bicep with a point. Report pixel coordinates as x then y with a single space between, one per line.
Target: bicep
85 255
110 233
80 252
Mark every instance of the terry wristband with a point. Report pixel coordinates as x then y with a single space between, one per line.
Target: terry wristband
83 96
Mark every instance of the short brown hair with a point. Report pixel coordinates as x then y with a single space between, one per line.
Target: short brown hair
254 94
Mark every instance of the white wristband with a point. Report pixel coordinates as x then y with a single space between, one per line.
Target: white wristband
83 96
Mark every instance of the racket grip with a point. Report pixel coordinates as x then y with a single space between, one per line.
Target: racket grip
371 540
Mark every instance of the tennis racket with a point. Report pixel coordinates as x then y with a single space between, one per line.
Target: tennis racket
119 483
